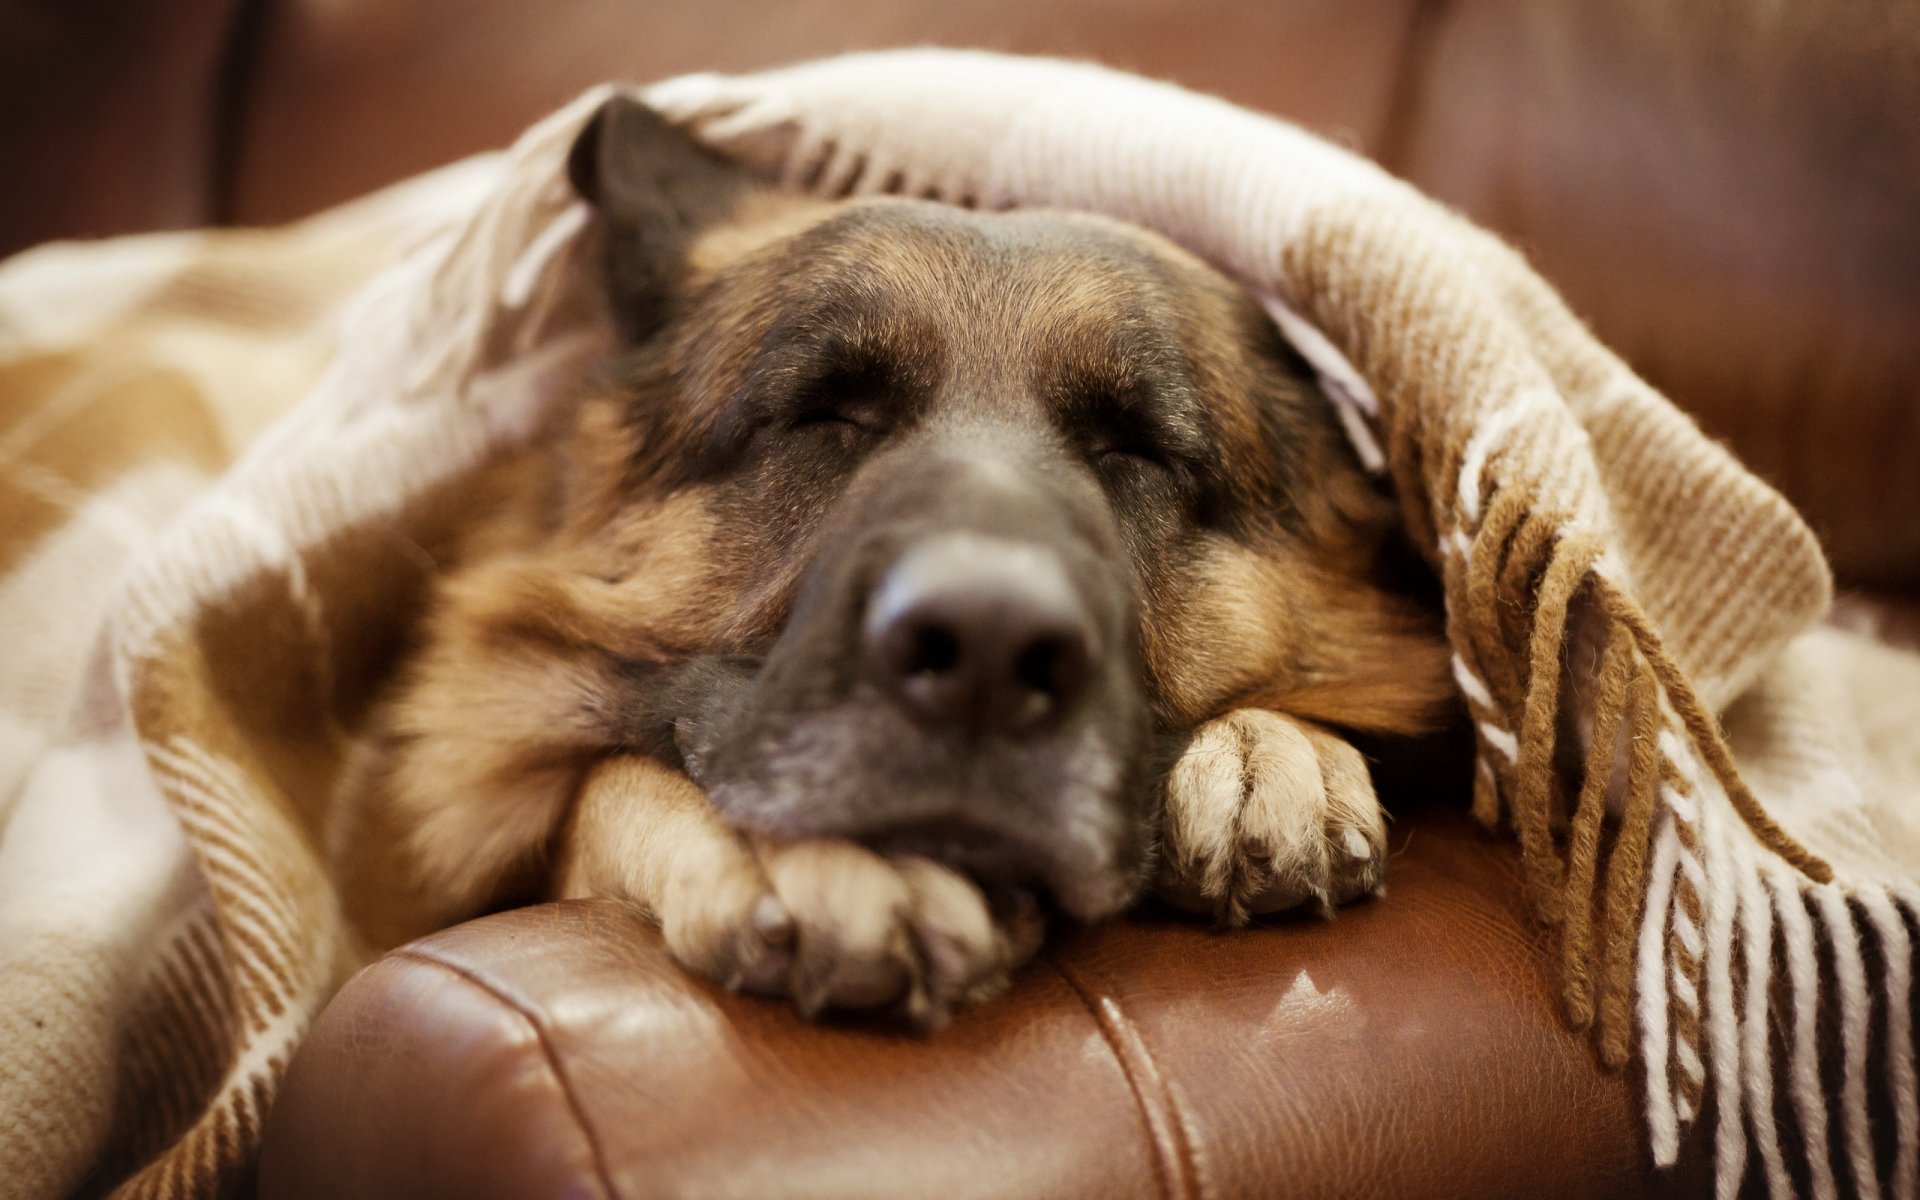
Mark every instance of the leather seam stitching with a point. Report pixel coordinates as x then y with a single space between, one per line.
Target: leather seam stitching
1177 1174
540 1035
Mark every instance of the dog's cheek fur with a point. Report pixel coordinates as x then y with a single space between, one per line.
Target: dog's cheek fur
1280 628
521 682
474 768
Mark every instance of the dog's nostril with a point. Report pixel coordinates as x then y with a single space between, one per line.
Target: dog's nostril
931 650
1050 666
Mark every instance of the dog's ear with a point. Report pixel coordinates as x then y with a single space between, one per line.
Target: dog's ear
655 188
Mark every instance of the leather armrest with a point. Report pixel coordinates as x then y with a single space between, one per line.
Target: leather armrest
1411 1047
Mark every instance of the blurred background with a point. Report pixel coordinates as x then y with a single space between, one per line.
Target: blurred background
1729 191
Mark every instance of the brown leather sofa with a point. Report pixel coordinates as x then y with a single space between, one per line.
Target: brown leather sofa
1409 1048
1727 190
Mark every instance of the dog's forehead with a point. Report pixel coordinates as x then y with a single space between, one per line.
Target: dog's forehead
889 251
1028 312
1005 239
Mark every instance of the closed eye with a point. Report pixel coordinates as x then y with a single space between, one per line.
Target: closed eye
812 417
1136 451
1115 432
853 395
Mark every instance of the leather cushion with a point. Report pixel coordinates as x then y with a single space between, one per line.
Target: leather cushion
1411 1047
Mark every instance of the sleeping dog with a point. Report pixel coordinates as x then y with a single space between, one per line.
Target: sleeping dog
910 572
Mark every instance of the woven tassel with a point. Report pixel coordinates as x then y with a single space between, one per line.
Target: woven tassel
1534 774
1486 781
1482 614
1610 701
1686 978
1627 873
1486 792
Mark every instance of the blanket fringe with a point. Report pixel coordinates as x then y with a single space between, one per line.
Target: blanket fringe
1705 733
1522 576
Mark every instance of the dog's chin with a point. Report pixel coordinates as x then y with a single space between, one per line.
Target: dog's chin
1057 817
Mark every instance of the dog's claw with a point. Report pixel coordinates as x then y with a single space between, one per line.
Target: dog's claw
772 921
810 994
922 1011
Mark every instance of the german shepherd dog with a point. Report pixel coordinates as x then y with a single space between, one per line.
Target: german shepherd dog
911 572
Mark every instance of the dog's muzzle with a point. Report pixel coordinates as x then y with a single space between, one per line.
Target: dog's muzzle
959 678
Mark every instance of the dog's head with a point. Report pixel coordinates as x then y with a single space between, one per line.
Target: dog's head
917 525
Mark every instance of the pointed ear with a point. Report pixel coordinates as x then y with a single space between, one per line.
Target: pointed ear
655 188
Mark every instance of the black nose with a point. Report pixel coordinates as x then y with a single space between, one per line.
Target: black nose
980 632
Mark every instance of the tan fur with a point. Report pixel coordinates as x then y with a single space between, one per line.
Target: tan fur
1285 632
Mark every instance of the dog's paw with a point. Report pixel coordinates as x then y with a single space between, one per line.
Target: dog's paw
1265 813
835 925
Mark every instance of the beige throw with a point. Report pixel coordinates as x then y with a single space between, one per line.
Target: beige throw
201 607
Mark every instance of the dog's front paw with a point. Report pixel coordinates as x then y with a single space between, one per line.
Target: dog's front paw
1265 813
835 925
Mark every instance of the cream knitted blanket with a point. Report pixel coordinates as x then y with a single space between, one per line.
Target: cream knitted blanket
1731 878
